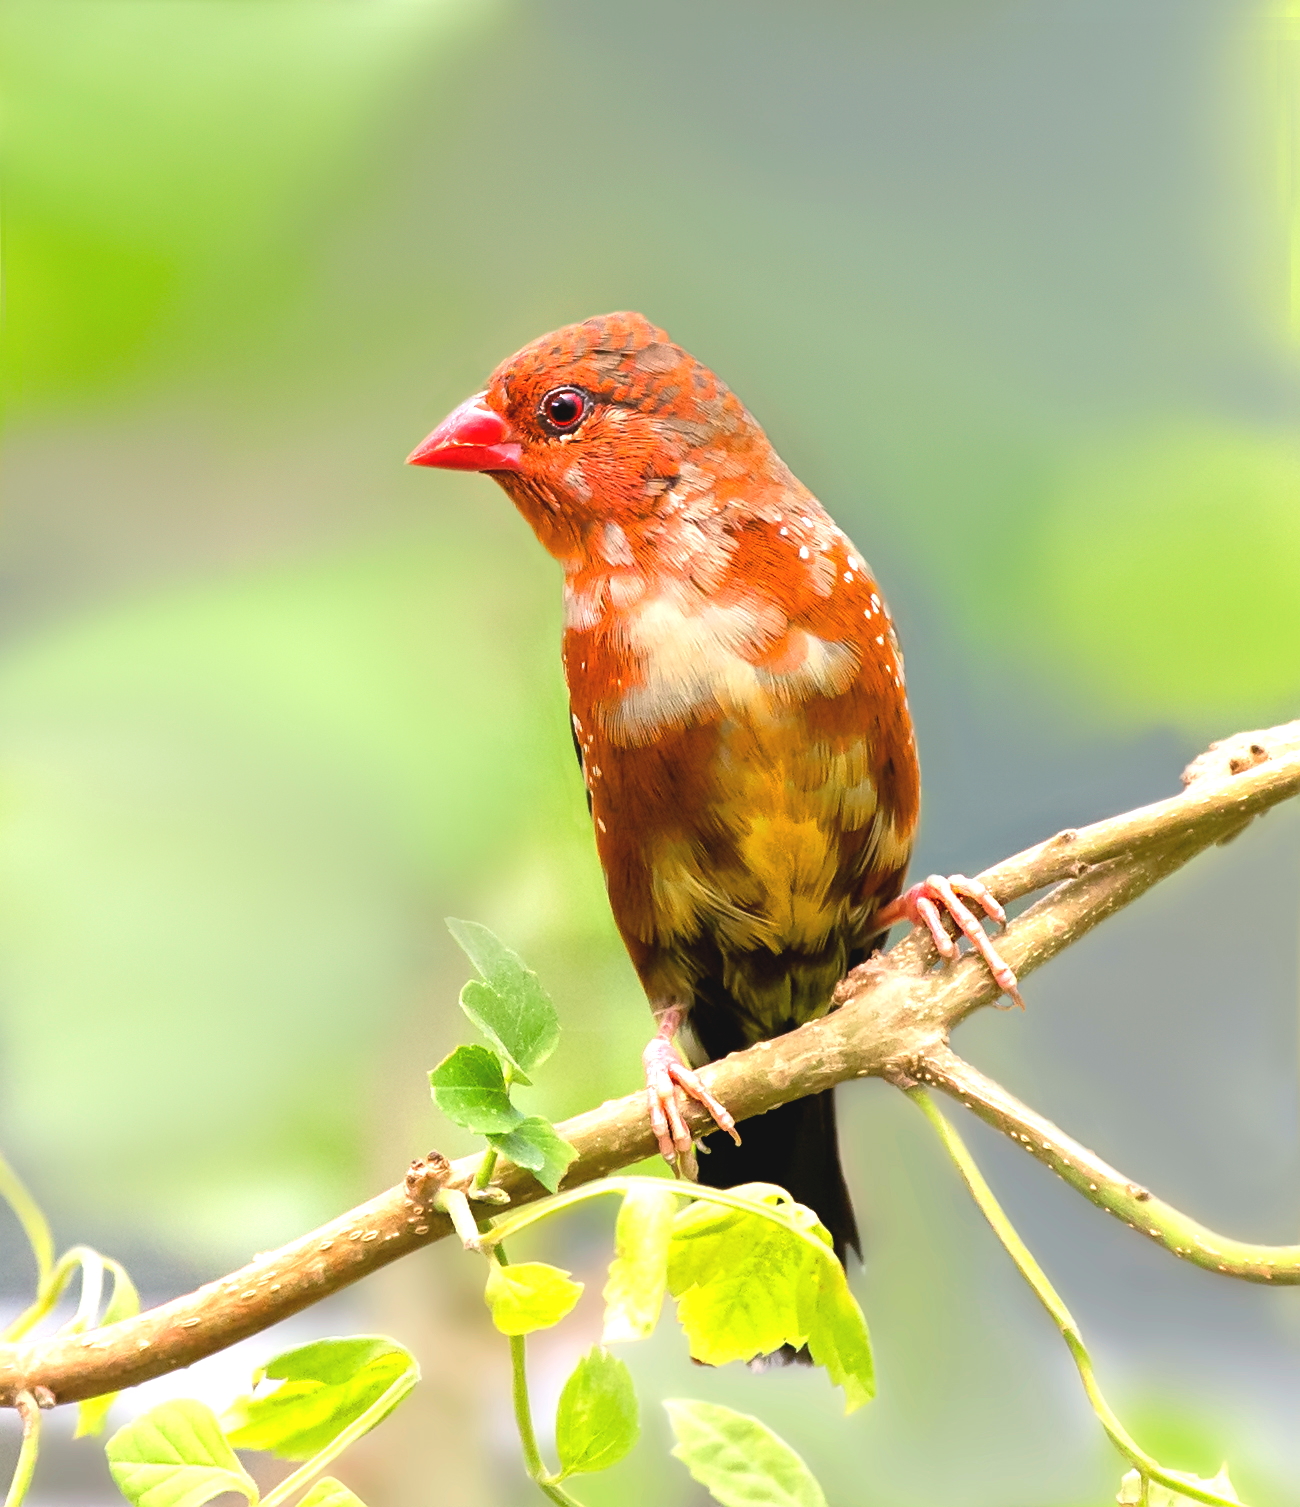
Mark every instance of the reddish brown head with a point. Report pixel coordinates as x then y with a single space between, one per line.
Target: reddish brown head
604 421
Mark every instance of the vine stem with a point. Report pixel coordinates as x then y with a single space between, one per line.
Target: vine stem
30 1413
1029 1269
533 1462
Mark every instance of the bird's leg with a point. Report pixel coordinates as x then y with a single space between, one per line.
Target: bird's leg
924 904
665 1075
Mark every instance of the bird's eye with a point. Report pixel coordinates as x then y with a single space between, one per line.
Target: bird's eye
564 408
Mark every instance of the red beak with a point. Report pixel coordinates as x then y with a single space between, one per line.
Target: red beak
471 438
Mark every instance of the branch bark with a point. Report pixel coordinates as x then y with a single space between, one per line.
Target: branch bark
893 1020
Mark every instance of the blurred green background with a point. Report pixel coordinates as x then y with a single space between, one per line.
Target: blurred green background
1007 284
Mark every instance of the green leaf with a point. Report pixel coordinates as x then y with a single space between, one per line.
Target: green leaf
175 1455
529 1296
124 1304
638 1273
328 1492
738 1279
510 1006
470 1088
534 1144
749 1283
739 1460
596 1422
838 1338
324 1387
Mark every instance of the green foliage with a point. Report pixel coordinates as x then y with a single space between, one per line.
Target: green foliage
535 1143
509 1006
596 1421
470 1088
325 1387
331 1392
739 1460
472 1085
175 1455
638 1275
748 1283
529 1296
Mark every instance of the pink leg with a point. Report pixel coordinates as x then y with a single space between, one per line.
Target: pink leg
665 1075
921 906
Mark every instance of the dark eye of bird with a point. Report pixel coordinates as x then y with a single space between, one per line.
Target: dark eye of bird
564 408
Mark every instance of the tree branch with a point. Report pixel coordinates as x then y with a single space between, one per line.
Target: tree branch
1101 1184
893 1021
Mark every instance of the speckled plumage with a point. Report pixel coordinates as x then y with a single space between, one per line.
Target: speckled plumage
736 690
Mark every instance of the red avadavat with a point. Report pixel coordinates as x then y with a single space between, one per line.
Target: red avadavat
738 707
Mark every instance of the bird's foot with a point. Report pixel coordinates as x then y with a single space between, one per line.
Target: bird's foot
925 904
667 1078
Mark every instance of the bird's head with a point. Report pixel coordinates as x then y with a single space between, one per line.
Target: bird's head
605 423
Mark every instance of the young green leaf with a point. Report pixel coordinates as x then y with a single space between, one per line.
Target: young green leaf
470 1088
638 1273
534 1144
510 1006
175 1455
529 1296
324 1387
596 1422
328 1492
124 1304
749 1283
743 1282
739 1460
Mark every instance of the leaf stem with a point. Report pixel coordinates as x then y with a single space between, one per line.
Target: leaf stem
1150 1469
375 1413
30 1413
533 1462
485 1170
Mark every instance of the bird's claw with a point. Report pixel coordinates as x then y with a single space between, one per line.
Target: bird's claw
666 1078
926 903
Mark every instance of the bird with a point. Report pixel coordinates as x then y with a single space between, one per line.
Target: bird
739 711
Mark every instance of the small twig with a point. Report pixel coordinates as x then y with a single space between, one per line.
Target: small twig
894 1015
1047 1295
1101 1184
29 1410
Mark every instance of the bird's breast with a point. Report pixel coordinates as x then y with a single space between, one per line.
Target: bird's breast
646 661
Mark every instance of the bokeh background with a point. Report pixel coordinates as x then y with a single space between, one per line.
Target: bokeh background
1008 283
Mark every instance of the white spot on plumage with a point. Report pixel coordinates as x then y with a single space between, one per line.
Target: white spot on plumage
803 551
615 547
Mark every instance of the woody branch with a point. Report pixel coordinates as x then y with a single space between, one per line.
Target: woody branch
894 1019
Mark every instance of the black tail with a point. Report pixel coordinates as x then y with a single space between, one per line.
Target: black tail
795 1146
